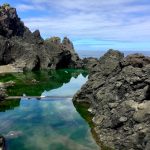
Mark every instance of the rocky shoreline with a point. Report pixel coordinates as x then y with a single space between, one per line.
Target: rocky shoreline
21 50
118 91
118 88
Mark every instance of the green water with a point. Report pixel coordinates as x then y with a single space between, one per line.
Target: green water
45 124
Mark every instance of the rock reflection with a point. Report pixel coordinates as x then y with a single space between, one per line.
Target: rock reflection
46 124
34 83
9 104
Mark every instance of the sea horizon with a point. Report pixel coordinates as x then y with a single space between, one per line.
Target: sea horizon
99 53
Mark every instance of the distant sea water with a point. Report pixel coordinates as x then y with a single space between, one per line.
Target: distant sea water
97 54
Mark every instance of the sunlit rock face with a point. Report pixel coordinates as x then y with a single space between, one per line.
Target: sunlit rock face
118 91
28 51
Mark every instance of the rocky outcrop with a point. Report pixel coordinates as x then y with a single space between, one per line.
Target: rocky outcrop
28 51
62 53
90 62
118 91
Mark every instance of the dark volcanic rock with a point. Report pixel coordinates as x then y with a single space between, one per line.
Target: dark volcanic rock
62 53
118 91
27 50
10 23
90 62
2 143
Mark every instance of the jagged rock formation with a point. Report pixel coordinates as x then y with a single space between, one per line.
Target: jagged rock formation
28 51
118 91
63 53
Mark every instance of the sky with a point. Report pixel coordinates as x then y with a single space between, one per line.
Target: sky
90 24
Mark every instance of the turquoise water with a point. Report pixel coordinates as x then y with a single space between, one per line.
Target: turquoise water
47 124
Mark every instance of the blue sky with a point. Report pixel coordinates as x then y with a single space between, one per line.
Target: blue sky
90 24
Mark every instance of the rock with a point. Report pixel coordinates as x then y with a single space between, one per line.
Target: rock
143 112
14 134
3 87
2 143
7 84
9 69
90 62
10 23
118 90
136 60
62 53
2 94
34 81
123 119
24 50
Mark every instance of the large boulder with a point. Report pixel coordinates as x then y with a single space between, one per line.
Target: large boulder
27 50
118 91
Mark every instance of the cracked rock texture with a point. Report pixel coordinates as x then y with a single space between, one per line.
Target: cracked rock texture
118 91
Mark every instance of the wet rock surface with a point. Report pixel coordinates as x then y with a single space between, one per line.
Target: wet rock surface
3 87
118 91
2 143
28 51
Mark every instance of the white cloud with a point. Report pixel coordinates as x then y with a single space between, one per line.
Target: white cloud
111 20
25 7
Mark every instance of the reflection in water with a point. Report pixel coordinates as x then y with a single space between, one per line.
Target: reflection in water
9 104
46 124
34 83
66 90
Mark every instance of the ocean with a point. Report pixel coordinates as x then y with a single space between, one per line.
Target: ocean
97 54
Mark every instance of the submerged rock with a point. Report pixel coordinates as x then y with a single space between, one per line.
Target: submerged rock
3 87
118 91
14 134
2 94
2 143
25 50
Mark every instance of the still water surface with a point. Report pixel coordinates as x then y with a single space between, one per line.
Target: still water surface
45 124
